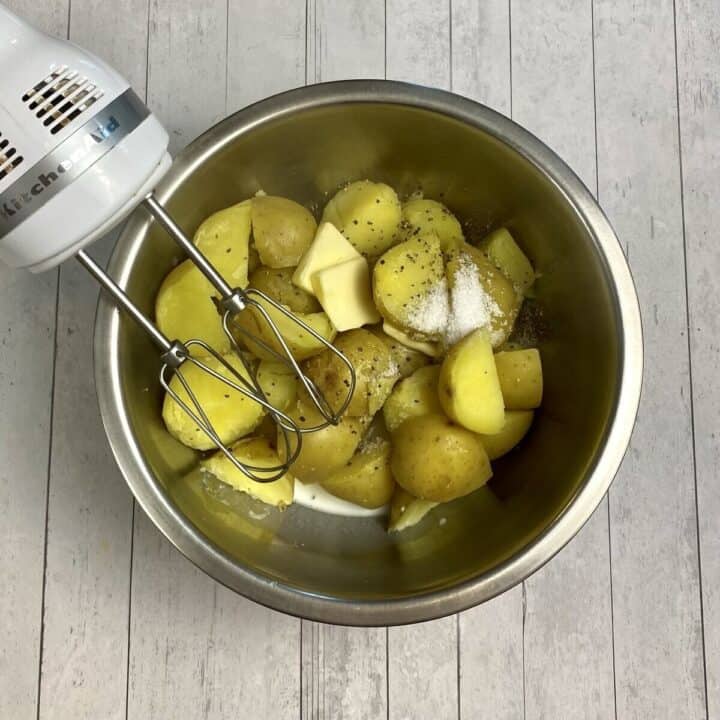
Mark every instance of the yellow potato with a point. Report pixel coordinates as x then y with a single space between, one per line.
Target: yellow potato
469 387
517 423
410 289
407 359
231 413
184 309
434 459
367 214
365 479
375 373
413 396
278 382
521 378
277 284
282 230
406 510
431 349
258 453
505 254
421 216
325 451
224 239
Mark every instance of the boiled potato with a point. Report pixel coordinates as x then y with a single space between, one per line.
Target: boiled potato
505 254
365 479
184 309
410 289
413 396
282 230
469 387
504 302
431 349
406 510
517 423
250 323
407 359
277 284
231 413
367 214
434 459
521 378
421 216
224 239
278 382
375 373
324 451
258 453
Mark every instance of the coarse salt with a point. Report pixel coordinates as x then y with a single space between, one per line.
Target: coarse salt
430 315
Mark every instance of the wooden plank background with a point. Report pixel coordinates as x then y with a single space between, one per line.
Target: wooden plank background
101 618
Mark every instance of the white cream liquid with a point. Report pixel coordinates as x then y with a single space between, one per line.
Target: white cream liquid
316 498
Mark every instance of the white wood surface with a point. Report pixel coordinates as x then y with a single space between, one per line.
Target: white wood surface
101 618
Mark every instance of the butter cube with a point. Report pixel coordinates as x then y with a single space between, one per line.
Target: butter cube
345 294
328 248
428 348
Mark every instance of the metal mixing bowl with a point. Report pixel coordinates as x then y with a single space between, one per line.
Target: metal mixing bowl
304 144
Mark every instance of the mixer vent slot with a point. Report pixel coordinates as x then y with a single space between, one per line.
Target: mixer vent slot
9 157
61 97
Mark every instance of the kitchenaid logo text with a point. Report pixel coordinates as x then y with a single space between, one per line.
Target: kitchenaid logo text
17 204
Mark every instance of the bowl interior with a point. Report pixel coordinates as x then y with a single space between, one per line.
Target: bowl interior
306 155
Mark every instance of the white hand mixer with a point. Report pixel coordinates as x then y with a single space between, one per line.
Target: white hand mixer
79 151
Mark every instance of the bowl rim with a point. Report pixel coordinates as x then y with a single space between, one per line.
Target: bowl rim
210 558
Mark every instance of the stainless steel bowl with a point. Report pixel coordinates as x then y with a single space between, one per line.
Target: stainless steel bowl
303 144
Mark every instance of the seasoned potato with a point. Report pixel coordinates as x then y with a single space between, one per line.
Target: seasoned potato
375 373
365 479
184 309
231 413
469 387
430 349
278 382
434 459
503 251
421 216
324 451
521 379
410 289
367 214
406 358
517 423
258 453
406 510
282 230
413 396
277 284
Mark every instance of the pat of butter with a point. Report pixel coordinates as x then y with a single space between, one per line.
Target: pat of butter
428 348
328 248
345 295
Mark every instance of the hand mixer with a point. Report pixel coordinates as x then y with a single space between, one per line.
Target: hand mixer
79 151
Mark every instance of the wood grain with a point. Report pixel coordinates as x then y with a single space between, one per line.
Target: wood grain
656 600
698 26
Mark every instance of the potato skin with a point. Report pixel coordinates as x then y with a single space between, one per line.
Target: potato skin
421 216
407 359
433 459
521 378
366 479
277 284
278 382
413 396
406 510
517 424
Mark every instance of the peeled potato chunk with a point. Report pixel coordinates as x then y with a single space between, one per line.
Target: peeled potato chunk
277 284
406 358
406 510
469 388
231 413
258 453
224 239
521 379
184 309
410 289
278 382
517 423
368 214
506 255
282 230
375 373
413 396
365 479
421 216
434 459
